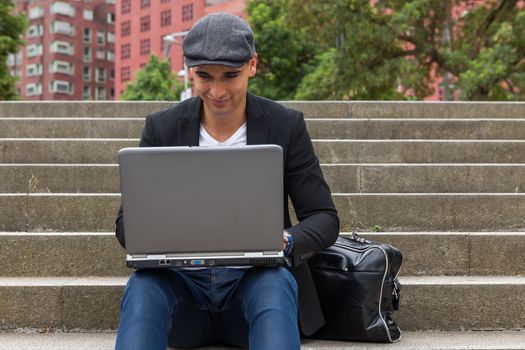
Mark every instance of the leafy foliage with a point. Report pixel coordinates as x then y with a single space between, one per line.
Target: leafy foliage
285 52
395 49
155 82
12 28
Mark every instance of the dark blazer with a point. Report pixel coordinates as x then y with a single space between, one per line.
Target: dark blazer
268 123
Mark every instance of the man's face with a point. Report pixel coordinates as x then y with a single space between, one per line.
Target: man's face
223 89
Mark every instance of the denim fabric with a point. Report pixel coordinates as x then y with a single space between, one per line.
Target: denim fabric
254 307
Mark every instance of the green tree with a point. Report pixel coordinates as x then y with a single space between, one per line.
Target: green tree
155 82
284 54
12 28
395 48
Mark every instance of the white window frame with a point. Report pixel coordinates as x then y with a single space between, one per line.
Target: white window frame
87 57
88 15
63 8
62 47
110 18
62 67
87 39
101 54
34 69
111 37
10 59
37 87
34 50
88 95
111 56
86 77
98 95
101 37
35 30
61 27
36 12
54 87
100 77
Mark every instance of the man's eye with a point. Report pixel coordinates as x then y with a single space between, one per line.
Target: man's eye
203 76
232 75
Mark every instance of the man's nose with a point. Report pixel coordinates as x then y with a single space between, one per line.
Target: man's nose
217 89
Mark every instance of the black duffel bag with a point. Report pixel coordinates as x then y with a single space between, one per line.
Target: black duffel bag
356 280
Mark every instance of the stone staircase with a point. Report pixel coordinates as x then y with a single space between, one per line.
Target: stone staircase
444 182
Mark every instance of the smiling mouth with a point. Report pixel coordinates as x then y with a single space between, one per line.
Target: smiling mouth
218 102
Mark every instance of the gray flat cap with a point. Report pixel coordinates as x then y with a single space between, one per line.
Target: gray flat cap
219 38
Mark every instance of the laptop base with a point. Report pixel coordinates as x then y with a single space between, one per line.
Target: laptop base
138 263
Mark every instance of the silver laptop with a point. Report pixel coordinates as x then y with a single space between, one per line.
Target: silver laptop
202 206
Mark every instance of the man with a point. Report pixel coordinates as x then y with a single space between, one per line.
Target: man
256 307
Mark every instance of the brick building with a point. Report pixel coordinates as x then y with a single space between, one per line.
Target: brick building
142 24
69 52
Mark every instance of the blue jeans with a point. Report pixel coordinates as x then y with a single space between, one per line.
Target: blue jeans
256 307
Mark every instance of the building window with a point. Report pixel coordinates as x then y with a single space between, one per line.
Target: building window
100 93
165 18
88 15
145 23
87 73
61 67
165 1
10 59
86 93
60 27
101 54
33 69
125 74
33 89
111 18
101 37
125 51
125 6
101 75
125 28
144 47
35 30
111 56
36 12
111 74
63 8
34 50
112 93
187 13
87 54
62 47
61 87
87 35
144 4
111 37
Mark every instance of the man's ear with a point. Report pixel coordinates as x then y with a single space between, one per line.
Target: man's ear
252 66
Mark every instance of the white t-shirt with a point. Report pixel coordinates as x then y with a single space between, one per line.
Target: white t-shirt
237 139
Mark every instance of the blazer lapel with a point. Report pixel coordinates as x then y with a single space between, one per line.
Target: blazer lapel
190 124
257 122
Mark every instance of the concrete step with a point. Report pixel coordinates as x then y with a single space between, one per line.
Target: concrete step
319 128
427 303
103 151
47 254
393 212
343 178
471 340
311 109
